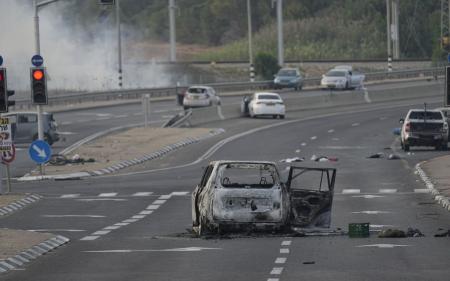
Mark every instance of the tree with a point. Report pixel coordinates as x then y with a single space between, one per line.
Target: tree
266 65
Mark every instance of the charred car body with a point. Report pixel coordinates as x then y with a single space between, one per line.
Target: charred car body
249 195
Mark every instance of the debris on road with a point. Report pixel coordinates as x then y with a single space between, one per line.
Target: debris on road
59 160
414 232
442 233
309 262
393 157
294 159
376 155
323 158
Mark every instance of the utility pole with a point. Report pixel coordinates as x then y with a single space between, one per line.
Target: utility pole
445 25
250 44
280 32
389 44
395 32
172 7
119 42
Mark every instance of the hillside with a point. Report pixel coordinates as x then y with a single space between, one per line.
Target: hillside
314 29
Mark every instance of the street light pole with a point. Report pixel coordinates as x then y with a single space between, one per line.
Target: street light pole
250 44
173 54
280 32
119 42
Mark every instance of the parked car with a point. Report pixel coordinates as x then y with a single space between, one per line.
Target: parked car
249 195
446 112
288 78
342 77
200 96
423 127
263 104
24 127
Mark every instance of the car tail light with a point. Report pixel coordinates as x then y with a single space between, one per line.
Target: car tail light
407 127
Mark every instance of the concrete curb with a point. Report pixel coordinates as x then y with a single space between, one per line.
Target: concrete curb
32 253
19 204
441 200
127 163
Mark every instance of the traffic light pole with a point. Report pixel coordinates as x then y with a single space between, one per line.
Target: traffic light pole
36 7
38 52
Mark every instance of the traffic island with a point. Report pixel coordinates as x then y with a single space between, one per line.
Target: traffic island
434 173
19 247
114 152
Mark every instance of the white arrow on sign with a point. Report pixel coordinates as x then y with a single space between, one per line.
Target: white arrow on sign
41 152
383 246
188 249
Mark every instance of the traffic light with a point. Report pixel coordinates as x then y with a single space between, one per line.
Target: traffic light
38 85
3 91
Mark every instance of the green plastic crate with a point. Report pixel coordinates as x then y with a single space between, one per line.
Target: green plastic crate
358 230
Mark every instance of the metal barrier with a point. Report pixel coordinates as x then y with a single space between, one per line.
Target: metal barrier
220 87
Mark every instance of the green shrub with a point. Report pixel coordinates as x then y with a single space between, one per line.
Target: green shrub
266 65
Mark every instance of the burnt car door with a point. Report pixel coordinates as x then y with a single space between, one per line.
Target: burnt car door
310 193
197 195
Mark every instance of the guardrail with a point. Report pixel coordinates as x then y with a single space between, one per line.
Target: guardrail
220 87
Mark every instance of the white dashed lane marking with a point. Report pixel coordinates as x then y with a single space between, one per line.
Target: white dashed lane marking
280 260
351 191
355 124
388 191
111 194
313 138
330 131
142 194
141 215
276 271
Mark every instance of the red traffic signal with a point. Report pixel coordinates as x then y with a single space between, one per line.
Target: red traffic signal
38 74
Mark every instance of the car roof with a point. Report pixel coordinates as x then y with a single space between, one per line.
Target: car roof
201 87
267 93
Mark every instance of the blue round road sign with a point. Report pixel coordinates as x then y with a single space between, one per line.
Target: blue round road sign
37 60
40 151
1 60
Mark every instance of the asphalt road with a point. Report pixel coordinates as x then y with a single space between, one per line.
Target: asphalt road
133 226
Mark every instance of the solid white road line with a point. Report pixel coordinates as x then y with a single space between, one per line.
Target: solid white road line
187 249
368 196
383 246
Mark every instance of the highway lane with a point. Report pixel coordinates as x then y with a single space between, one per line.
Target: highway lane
79 124
154 247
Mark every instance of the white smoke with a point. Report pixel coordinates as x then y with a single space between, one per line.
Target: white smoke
74 60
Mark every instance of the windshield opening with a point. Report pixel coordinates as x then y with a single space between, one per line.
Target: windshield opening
287 73
248 175
429 115
336 74
268 97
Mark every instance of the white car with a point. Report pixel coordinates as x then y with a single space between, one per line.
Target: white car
200 96
264 104
342 77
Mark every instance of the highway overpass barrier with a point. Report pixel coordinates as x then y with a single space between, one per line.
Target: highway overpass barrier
238 88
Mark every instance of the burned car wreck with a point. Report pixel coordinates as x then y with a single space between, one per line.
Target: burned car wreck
249 195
